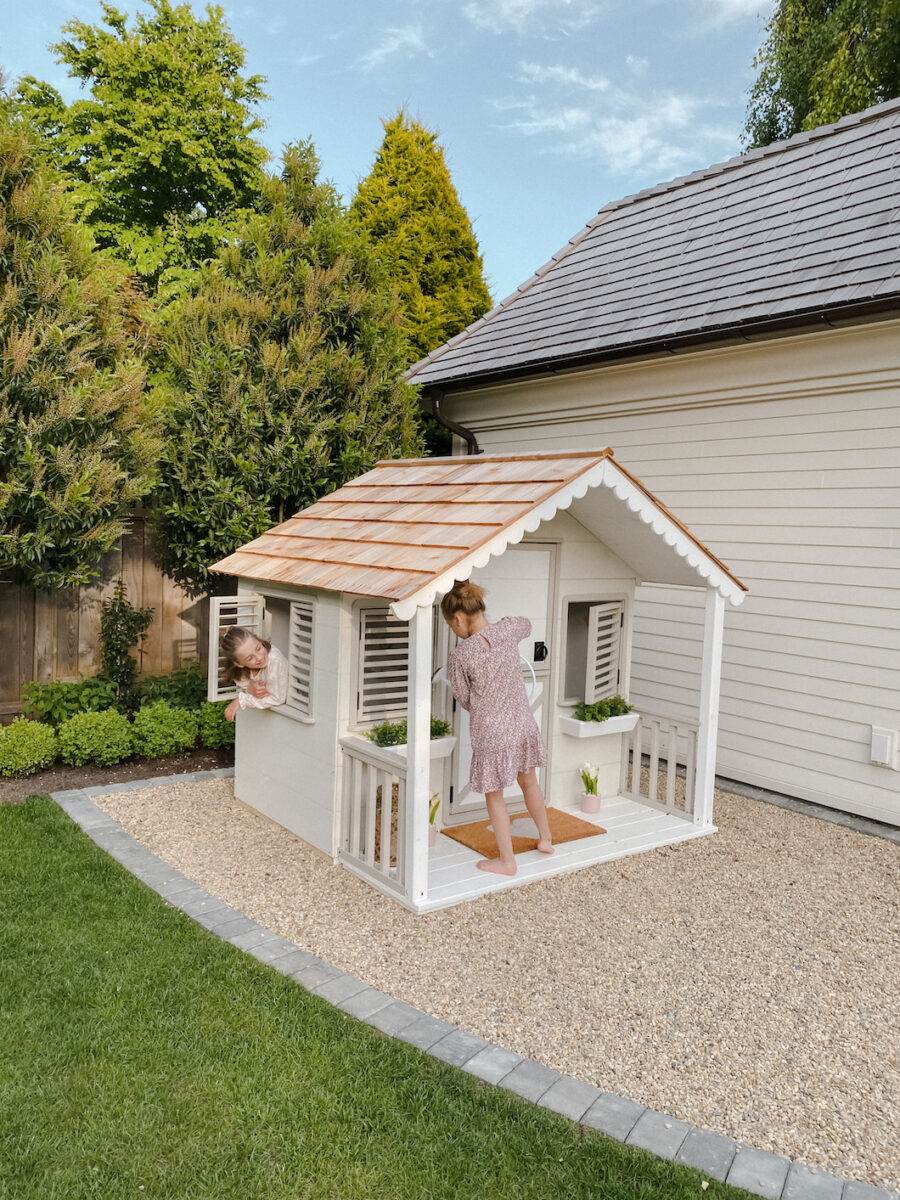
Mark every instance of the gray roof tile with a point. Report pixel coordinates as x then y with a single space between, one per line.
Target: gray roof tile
801 226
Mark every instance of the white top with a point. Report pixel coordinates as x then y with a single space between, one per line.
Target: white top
274 675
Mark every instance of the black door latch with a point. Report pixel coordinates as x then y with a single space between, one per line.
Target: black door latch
540 651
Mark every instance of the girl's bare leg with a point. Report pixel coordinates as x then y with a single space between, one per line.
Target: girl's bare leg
506 863
537 809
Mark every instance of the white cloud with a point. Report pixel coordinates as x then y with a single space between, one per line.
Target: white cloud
408 40
628 129
498 16
535 73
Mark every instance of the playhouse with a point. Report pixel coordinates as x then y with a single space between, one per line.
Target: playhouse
348 589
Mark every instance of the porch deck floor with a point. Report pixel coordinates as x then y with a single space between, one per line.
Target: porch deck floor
631 827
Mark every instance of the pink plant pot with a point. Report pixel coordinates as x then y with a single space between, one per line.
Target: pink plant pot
590 804
432 835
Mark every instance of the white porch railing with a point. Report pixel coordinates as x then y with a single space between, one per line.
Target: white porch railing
373 817
659 763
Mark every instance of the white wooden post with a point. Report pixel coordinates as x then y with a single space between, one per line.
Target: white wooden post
418 756
710 682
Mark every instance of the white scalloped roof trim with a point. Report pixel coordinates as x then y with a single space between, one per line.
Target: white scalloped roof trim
605 474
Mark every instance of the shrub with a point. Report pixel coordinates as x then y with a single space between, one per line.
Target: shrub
96 737
54 703
25 747
615 706
122 626
160 729
183 689
393 733
215 731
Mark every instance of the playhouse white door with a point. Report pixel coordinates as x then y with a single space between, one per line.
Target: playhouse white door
519 583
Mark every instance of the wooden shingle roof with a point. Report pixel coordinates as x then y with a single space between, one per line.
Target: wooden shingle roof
782 235
406 529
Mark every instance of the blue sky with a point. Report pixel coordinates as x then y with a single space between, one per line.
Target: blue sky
547 109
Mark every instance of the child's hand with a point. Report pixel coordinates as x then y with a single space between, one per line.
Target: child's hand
258 689
232 710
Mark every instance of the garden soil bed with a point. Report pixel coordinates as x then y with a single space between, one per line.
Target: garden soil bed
62 778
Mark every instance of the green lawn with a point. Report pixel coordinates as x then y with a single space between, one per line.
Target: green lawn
142 1057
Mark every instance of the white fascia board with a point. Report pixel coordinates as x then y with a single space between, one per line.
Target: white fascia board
604 474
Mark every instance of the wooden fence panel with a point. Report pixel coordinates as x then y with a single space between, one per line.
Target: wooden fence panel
55 635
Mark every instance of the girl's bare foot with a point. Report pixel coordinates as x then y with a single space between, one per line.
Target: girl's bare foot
496 865
545 846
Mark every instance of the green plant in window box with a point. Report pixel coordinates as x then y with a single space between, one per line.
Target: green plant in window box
614 706
394 733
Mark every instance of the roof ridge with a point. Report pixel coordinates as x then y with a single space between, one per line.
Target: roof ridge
727 165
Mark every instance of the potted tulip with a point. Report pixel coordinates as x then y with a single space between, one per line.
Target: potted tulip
590 797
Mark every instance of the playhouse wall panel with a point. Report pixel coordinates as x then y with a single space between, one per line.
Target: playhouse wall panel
782 456
287 769
586 570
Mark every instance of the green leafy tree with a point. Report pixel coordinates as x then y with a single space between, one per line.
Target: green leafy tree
821 60
286 367
161 155
78 444
409 207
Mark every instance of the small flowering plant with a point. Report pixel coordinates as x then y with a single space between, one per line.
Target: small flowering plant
589 776
433 805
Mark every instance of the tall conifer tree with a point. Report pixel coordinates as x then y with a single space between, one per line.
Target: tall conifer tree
77 440
410 209
286 366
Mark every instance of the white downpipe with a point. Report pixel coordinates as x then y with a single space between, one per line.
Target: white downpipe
418 756
710 686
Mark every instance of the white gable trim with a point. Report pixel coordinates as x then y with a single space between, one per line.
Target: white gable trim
604 474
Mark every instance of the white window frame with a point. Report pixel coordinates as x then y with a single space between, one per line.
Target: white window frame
603 664
367 712
248 610
301 659
589 600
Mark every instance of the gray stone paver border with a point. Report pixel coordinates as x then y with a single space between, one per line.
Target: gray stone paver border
758 1171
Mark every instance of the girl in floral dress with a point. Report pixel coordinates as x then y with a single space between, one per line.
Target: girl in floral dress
486 678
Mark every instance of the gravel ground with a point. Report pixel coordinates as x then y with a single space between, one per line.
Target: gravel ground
746 982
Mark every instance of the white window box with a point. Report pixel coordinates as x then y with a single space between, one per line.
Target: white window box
441 747
586 729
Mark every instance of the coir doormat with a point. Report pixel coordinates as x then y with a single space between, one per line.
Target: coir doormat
564 827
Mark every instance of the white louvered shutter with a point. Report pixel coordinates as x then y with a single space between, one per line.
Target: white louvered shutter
604 648
224 611
382 692
300 659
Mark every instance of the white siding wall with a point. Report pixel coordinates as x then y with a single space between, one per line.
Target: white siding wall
783 456
287 769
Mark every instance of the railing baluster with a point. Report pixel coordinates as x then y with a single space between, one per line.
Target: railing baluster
653 784
636 757
359 782
387 814
690 774
401 829
671 765
375 776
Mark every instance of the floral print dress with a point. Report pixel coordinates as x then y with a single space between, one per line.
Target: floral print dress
486 677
